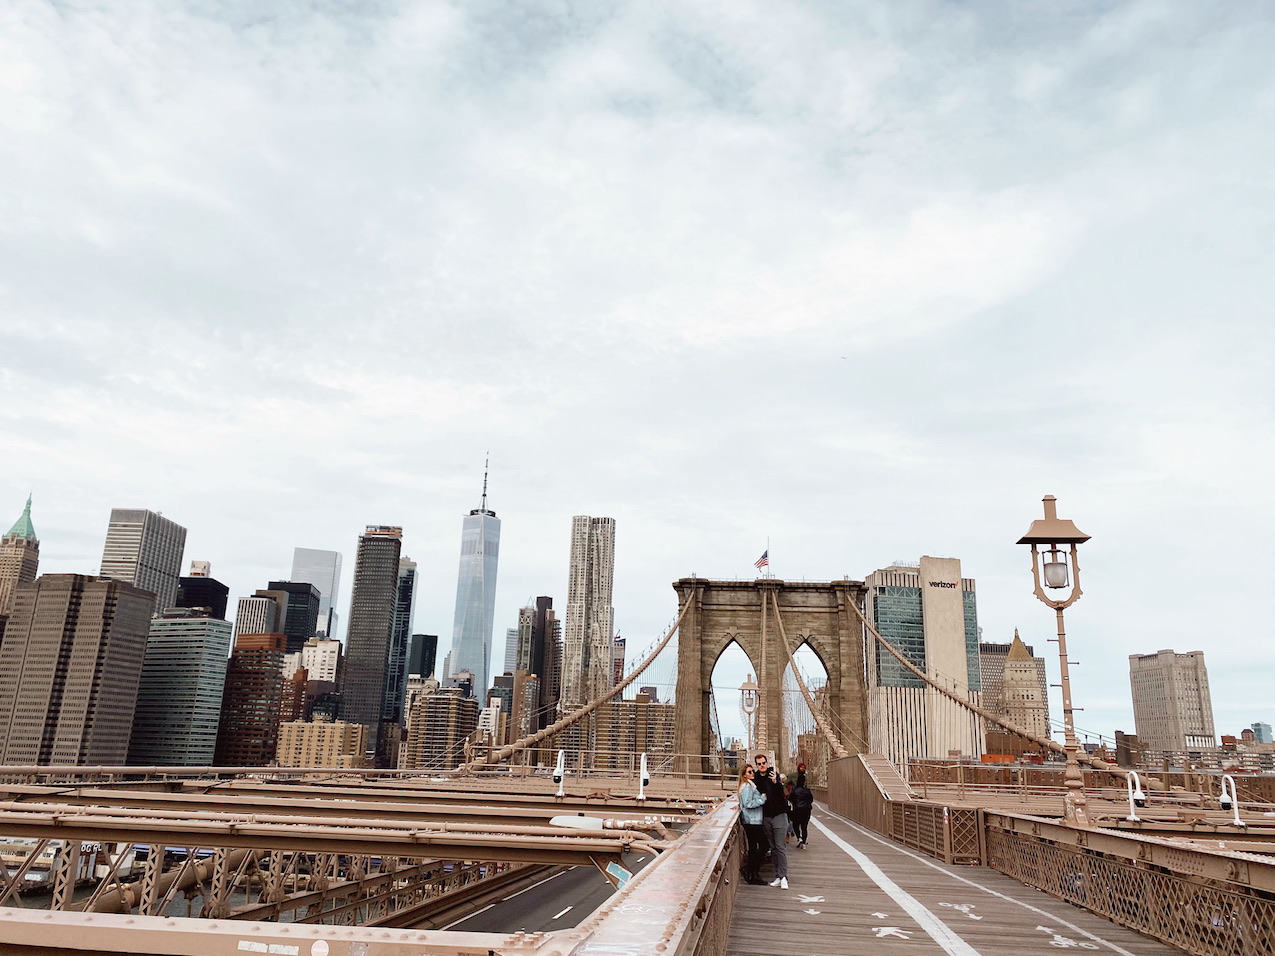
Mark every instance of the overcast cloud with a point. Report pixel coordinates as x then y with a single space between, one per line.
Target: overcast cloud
866 280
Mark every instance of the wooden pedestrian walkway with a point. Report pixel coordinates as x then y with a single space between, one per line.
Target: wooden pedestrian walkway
852 891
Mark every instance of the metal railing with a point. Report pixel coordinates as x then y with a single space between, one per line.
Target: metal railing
856 791
1204 902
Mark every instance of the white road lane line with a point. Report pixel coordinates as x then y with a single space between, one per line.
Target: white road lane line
534 885
470 916
565 912
936 929
930 863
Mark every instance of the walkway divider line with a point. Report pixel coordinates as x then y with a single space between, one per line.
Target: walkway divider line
974 883
937 930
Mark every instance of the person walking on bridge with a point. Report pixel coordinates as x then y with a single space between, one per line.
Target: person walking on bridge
802 801
774 817
750 804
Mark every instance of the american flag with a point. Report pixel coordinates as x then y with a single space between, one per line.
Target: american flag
763 560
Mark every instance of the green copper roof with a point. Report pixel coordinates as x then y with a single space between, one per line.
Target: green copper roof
23 527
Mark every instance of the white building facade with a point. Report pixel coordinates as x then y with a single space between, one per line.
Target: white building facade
145 549
927 613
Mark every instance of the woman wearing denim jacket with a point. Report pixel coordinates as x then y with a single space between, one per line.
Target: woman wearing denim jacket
750 804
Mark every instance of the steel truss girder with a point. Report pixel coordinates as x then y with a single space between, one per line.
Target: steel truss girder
549 847
680 902
320 802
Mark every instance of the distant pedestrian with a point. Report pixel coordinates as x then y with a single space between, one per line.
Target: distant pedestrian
774 817
750 804
802 801
783 778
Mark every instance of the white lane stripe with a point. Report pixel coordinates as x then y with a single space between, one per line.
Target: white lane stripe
564 912
470 916
928 921
534 885
979 886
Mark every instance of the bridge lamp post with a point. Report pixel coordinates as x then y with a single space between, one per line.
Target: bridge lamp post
748 695
1055 567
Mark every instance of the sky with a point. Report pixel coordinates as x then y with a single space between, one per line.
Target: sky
856 282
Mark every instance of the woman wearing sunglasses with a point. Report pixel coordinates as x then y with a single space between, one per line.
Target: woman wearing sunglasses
750 804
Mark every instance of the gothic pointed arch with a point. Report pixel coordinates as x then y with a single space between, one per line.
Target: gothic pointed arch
744 612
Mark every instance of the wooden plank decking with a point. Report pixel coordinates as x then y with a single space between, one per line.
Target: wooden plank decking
871 895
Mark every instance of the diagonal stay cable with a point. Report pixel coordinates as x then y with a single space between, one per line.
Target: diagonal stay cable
833 740
506 752
1094 762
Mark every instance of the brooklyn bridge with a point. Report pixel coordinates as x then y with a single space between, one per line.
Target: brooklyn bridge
551 846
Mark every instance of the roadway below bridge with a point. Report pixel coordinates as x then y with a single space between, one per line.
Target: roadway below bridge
558 901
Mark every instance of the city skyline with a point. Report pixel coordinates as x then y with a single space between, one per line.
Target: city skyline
868 289
725 684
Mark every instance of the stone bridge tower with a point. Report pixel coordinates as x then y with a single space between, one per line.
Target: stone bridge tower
818 614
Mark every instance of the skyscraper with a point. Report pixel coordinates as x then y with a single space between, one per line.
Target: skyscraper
19 559
248 732
929 615
437 728
587 653
179 699
323 570
476 595
371 626
258 614
617 661
421 659
201 589
145 549
511 650
540 653
300 602
70 666
400 641
1172 707
1014 687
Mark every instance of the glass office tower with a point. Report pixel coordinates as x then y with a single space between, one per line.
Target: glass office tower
179 697
323 570
373 604
400 641
476 596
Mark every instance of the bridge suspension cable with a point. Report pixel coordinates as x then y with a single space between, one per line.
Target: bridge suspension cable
1085 758
833 740
531 740
838 726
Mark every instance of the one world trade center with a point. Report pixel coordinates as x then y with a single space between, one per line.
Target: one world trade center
476 595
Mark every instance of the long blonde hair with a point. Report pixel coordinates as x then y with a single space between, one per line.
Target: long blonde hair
742 771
